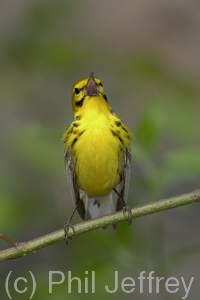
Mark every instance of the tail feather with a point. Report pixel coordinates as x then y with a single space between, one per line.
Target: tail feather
98 206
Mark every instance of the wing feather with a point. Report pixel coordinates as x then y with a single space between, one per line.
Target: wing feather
74 190
124 184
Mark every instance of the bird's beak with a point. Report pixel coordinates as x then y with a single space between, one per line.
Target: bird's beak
91 88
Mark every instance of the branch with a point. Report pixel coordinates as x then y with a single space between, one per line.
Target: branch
22 249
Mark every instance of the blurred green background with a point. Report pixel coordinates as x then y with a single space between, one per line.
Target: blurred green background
147 55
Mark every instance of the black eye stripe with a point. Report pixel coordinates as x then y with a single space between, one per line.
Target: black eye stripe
80 102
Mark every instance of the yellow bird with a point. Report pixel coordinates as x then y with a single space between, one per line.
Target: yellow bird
97 152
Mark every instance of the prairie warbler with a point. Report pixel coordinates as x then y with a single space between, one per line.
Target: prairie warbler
97 153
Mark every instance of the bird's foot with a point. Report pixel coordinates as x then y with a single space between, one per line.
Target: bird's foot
127 210
67 227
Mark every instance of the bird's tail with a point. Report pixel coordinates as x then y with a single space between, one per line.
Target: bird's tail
98 206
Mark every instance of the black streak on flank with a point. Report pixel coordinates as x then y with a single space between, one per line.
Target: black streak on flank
114 133
74 141
80 102
76 138
121 140
124 129
118 123
70 131
81 133
117 135
76 124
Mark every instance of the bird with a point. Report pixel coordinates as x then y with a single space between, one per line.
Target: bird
97 153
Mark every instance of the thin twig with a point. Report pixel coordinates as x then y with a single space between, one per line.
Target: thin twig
22 249
9 240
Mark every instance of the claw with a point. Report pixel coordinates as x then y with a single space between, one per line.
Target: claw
67 226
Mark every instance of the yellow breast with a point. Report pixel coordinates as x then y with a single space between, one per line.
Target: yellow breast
98 164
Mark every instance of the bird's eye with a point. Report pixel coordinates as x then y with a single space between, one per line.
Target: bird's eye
77 91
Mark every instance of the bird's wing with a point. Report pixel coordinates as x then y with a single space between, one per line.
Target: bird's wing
75 191
124 184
